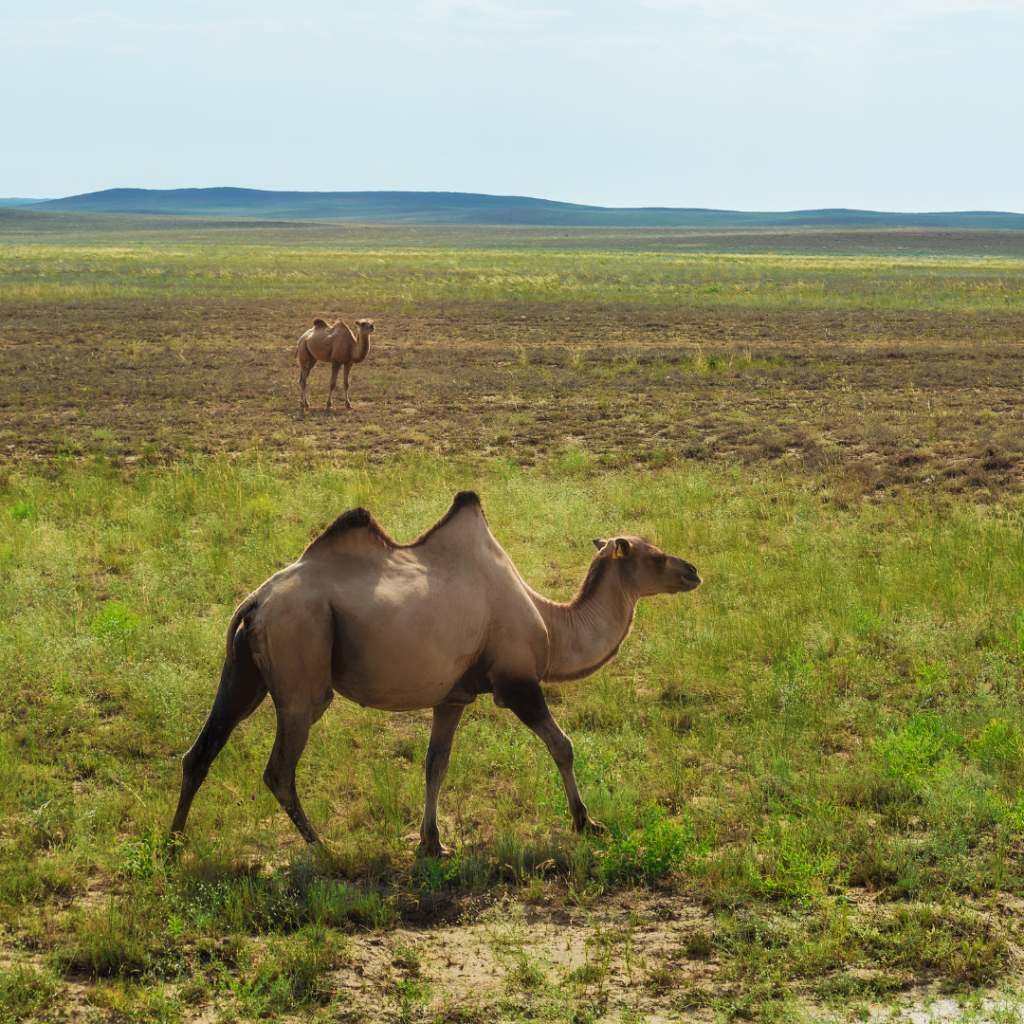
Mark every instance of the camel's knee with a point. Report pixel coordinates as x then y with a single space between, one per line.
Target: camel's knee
280 781
562 751
192 772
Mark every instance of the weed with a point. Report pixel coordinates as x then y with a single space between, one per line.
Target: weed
791 866
522 972
436 872
141 857
22 511
913 752
999 747
115 624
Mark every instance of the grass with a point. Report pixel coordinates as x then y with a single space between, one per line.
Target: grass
760 745
810 768
41 273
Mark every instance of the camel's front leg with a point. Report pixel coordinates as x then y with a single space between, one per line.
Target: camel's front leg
348 367
335 367
442 732
525 699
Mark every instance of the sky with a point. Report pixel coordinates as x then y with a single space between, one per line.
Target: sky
768 105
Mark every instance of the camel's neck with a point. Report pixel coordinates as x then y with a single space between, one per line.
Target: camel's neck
362 347
588 631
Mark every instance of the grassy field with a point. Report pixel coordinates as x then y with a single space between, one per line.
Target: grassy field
812 768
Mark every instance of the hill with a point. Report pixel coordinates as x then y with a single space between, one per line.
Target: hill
475 208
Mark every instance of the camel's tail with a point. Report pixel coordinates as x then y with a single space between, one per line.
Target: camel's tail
240 613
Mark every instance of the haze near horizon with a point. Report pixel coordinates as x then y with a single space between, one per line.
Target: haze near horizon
737 105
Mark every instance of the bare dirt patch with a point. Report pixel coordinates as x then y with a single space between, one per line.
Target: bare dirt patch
875 400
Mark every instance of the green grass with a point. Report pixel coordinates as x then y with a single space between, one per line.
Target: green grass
41 273
816 678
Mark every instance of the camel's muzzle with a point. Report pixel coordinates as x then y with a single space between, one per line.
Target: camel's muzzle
689 579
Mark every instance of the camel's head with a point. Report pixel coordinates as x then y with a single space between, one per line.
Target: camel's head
365 326
647 570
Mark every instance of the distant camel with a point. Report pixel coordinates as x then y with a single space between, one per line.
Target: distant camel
335 344
432 624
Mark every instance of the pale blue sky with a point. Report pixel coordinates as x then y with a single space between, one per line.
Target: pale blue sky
902 105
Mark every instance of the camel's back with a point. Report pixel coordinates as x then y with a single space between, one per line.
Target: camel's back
455 569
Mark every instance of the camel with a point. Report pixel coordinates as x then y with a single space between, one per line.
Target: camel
335 344
405 627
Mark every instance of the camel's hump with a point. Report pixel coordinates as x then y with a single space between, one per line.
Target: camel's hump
319 321
360 519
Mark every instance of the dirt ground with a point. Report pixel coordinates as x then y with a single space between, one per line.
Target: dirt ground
519 955
869 400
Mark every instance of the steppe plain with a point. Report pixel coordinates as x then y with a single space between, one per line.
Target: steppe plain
811 768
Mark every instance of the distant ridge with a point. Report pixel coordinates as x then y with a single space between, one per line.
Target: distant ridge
12 202
477 208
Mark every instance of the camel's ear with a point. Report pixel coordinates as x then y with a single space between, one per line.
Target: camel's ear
598 543
622 548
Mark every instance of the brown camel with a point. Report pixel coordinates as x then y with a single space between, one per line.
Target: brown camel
432 624
335 344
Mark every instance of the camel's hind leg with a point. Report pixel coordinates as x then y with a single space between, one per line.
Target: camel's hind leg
442 732
293 725
306 363
525 698
240 693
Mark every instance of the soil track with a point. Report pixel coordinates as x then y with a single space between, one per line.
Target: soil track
873 400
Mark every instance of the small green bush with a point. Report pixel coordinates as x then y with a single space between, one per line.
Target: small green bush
651 850
999 747
913 752
794 866
23 510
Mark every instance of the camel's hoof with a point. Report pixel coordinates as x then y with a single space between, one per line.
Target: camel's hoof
591 827
425 849
441 851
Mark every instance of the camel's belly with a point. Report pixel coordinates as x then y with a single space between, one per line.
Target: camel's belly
402 668
391 698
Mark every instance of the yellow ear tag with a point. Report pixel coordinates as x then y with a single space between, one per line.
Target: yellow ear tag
617 553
